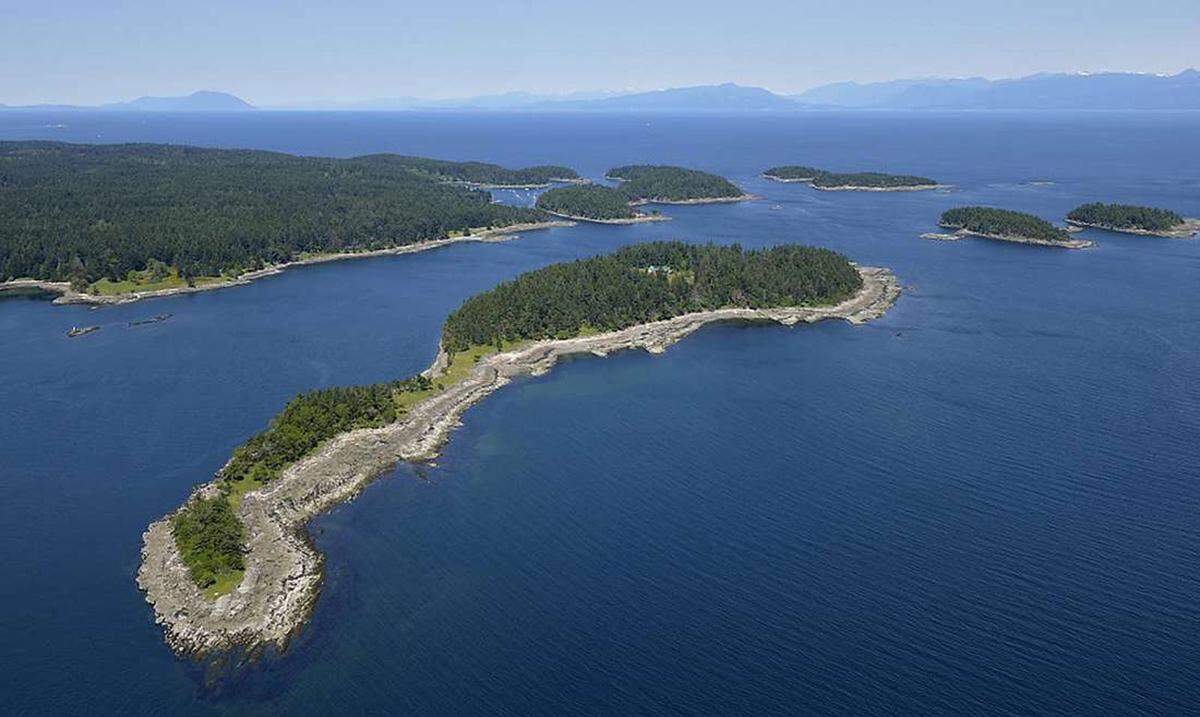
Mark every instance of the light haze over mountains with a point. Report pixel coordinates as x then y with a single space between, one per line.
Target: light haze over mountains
1045 91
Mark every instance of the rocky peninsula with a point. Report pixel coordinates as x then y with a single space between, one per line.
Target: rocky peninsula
283 571
1016 239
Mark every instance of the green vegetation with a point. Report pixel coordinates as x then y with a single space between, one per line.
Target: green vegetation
207 532
647 282
1126 216
872 180
210 539
640 283
645 182
797 172
834 180
89 213
472 172
1003 223
589 200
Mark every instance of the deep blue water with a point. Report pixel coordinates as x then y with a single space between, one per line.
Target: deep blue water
984 503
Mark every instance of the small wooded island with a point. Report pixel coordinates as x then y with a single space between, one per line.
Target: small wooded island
246 528
100 223
665 184
482 175
849 181
1133 219
1005 225
593 203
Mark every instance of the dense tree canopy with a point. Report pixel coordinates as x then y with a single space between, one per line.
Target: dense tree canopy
833 180
1126 216
646 182
473 172
639 283
592 201
647 282
210 539
1002 222
86 212
873 180
794 171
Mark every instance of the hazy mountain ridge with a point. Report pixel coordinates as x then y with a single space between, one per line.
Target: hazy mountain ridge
202 101
1045 91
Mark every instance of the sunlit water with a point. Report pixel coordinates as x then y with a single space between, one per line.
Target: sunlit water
985 502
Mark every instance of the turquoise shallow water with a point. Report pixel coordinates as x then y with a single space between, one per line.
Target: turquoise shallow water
985 502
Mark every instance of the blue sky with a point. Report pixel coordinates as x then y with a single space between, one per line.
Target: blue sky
274 52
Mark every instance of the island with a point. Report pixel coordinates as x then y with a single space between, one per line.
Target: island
1133 219
852 181
593 203
481 175
233 566
793 173
665 184
114 223
1004 225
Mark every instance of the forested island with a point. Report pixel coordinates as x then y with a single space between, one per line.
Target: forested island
593 203
1005 225
664 184
793 173
873 181
246 527
860 181
479 174
1133 219
112 219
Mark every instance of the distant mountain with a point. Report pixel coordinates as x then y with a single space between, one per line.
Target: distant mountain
196 102
1101 91
499 102
728 97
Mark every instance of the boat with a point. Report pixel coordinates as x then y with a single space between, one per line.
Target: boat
81 330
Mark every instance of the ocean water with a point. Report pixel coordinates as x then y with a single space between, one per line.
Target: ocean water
986 502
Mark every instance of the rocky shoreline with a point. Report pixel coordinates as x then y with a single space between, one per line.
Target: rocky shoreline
699 200
1188 229
541 185
640 218
857 188
789 180
961 233
283 570
67 295
810 181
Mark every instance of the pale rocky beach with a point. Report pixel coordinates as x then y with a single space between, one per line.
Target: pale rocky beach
283 570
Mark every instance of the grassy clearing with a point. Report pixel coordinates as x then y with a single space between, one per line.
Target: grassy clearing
147 281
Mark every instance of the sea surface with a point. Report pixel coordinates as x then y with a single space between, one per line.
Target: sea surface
986 502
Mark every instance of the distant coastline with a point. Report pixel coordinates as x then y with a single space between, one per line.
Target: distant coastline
67 295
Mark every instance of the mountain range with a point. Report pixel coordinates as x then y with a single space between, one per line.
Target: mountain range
1099 91
203 101
1046 91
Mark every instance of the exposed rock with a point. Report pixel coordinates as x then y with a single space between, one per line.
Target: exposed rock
283 569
